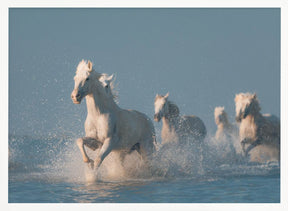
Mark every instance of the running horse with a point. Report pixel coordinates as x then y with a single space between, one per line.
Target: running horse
108 126
257 130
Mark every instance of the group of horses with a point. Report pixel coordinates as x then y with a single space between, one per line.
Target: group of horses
111 128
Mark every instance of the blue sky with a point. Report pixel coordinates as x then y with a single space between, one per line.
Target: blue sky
202 57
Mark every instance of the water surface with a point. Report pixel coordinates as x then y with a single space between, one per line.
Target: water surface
51 171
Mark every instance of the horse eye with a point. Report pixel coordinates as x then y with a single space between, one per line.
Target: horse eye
87 79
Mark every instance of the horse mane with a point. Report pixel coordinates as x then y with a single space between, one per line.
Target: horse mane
219 110
81 65
254 102
113 87
173 109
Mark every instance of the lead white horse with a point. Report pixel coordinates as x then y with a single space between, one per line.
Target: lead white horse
177 128
261 132
107 126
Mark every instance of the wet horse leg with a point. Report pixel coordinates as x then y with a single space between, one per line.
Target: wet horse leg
104 151
91 143
146 152
252 145
123 154
243 142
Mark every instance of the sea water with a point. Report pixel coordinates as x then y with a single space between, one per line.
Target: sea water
50 170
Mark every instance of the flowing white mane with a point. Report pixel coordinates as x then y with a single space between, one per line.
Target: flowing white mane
173 109
83 68
243 100
105 79
218 111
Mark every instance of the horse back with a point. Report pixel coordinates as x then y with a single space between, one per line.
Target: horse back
134 127
194 125
272 119
271 126
268 132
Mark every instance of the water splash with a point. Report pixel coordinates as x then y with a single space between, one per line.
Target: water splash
59 159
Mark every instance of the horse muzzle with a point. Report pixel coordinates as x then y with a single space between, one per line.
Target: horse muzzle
238 119
157 118
76 97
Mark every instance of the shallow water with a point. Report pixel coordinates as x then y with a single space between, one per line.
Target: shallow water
51 171
228 190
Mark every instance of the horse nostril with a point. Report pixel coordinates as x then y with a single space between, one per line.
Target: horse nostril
73 96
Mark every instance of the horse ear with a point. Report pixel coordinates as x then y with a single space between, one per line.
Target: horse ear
167 95
90 65
254 96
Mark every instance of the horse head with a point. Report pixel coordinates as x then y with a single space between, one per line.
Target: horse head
246 103
87 81
84 79
106 80
161 106
108 84
220 115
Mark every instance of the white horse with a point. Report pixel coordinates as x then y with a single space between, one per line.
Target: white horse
177 128
262 132
107 126
226 132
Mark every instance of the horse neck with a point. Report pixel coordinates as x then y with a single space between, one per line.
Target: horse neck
221 125
224 124
255 111
170 121
254 117
97 104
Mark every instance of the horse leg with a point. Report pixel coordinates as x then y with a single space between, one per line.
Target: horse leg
145 151
122 155
90 143
104 151
252 145
243 142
